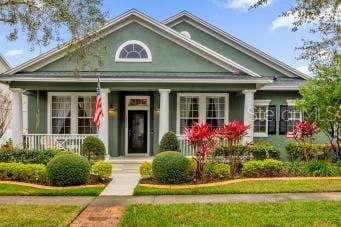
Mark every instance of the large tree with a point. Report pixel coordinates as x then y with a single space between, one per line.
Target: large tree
323 19
5 111
43 21
321 101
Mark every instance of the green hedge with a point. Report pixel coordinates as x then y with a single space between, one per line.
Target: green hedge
27 156
68 170
265 168
261 151
299 151
32 173
171 167
217 170
169 142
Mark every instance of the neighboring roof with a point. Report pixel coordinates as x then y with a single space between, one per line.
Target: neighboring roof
284 84
234 42
153 77
136 16
4 65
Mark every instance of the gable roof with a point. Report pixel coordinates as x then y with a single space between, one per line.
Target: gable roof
4 65
152 24
234 42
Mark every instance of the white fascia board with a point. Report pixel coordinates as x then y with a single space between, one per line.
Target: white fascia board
279 88
236 43
192 45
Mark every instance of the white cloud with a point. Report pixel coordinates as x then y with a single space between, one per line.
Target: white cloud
14 52
304 69
282 22
236 4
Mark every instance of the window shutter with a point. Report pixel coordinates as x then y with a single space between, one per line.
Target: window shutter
283 110
272 120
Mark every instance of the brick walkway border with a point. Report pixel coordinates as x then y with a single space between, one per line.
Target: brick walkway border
163 186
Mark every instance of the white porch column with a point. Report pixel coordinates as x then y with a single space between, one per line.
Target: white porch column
17 117
249 113
103 131
164 112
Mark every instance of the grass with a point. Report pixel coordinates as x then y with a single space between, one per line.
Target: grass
271 186
320 213
9 189
37 215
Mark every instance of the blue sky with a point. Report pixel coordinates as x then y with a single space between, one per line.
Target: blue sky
260 27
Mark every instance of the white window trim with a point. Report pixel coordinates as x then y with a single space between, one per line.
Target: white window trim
74 111
127 108
291 102
123 45
202 106
263 102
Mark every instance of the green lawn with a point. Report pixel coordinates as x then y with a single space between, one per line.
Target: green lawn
321 213
272 186
37 215
9 189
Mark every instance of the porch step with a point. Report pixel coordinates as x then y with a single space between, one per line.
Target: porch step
126 168
130 160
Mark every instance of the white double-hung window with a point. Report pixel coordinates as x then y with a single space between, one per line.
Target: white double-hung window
294 115
71 113
260 124
201 108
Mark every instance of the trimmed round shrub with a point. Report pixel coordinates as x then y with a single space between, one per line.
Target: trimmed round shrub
146 170
93 149
169 142
171 167
217 170
265 168
68 169
102 169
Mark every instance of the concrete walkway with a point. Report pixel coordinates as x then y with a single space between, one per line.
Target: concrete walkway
125 177
107 201
65 200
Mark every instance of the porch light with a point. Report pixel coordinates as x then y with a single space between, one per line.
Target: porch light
112 109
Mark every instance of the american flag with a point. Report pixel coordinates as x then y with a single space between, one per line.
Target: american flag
98 106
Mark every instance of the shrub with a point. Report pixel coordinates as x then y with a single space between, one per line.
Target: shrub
146 170
261 151
300 151
28 156
69 169
170 167
217 170
32 173
265 168
102 169
295 169
169 142
317 168
192 168
93 149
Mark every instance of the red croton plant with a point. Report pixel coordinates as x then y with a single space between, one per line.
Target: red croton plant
204 141
304 132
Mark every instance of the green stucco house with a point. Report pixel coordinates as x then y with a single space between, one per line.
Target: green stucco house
156 77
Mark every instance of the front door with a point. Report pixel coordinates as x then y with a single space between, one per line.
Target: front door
137 131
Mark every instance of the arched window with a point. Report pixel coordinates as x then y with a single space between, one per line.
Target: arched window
133 51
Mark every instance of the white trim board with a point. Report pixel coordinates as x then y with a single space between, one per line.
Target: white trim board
127 108
152 24
234 42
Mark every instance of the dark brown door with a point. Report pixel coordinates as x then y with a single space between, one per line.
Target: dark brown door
137 131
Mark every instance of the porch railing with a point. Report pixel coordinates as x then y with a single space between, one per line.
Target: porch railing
71 142
187 149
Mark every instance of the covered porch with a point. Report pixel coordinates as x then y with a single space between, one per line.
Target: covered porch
135 114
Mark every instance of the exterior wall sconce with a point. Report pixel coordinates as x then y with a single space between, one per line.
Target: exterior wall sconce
112 109
157 110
